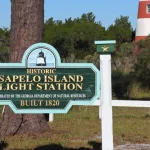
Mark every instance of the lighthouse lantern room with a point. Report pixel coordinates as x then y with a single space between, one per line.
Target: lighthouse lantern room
41 60
143 21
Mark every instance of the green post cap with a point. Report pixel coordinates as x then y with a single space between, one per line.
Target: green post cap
105 47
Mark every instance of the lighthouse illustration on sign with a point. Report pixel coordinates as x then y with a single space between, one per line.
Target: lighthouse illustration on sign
41 59
143 21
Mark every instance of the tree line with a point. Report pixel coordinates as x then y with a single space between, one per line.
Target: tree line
74 40
77 36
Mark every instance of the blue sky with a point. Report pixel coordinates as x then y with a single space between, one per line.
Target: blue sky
105 11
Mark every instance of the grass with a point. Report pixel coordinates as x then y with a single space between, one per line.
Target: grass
82 128
131 125
137 92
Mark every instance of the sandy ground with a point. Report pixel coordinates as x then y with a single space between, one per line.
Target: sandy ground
133 147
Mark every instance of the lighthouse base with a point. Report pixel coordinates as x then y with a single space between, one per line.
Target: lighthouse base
138 38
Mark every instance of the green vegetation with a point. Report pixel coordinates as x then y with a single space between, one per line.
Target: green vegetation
74 36
121 31
142 66
74 39
82 128
4 45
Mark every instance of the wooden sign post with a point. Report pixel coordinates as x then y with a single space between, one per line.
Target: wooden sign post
105 48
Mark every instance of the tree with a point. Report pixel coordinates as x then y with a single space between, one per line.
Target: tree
74 36
4 44
121 31
27 22
142 67
124 60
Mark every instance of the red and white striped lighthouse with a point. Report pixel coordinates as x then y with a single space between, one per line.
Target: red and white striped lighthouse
143 22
